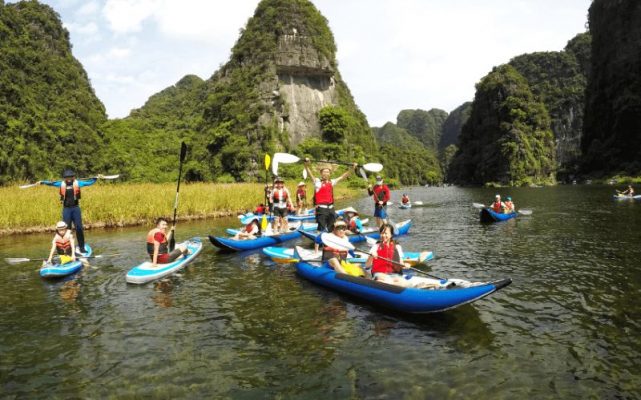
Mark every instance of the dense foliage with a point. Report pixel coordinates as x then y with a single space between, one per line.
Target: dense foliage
507 139
453 125
558 80
426 126
50 117
612 125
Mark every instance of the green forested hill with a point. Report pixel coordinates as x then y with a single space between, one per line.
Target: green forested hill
507 138
50 117
612 125
426 126
453 125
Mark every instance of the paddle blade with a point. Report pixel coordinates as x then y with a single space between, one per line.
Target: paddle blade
304 173
268 161
333 241
418 203
263 223
14 261
363 173
478 205
110 176
275 167
29 185
373 167
525 212
285 158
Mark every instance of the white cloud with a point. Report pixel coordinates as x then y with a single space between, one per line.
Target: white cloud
125 16
89 9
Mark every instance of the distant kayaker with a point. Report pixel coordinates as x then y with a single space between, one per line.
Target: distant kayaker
497 206
63 243
354 223
381 194
158 244
324 197
301 198
405 200
335 256
384 270
509 206
70 198
251 231
260 209
628 192
282 201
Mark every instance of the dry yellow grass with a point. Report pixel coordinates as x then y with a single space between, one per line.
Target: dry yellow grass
37 209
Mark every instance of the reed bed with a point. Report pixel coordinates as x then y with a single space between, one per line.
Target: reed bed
111 204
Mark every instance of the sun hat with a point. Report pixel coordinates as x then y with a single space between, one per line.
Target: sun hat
350 210
61 225
248 219
278 179
339 222
301 183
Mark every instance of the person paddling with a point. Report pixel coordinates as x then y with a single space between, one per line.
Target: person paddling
62 244
509 205
158 244
324 197
381 194
282 201
497 206
70 198
335 256
628 192
405 200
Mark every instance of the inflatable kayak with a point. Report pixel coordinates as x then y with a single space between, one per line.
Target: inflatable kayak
401 228
405 206
488 215
309 215
59 270
453 293
231 244
144 272
287 255
626 197
87 253
292 227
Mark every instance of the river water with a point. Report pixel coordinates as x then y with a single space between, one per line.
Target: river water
239 326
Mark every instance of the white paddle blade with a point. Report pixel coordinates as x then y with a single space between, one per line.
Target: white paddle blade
29 185
333 241
285 158
16 260
525 212
478 205
275 165
304 173
363 173
373 167
418 203
110 176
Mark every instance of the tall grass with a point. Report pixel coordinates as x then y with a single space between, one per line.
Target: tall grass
106 204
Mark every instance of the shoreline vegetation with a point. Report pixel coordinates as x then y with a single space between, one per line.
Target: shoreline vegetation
111 204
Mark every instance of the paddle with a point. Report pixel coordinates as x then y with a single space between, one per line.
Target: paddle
183 153
82 179
263 221
19 260
287 158
345 246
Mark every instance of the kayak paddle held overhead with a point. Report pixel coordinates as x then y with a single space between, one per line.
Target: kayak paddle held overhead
106 177
286 158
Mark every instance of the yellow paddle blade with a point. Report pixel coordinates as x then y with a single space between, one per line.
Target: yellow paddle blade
263 222
285 260
268 161
352 269
64 259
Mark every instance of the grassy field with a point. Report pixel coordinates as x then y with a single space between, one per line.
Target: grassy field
111 204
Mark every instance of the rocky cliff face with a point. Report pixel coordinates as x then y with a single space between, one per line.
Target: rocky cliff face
612 133
306 84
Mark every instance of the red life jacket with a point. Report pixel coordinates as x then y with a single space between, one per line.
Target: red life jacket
277 195
164 248
387 251
325 194
301 193
381 193
76 194
352 225
63 243
259 210
405 200
497 207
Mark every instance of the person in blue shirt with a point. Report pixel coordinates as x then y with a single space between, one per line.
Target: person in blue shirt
70 197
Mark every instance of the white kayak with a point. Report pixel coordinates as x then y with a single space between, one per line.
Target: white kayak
145 272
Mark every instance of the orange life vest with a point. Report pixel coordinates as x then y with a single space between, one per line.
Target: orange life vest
76 193
63 243
277 194
497 207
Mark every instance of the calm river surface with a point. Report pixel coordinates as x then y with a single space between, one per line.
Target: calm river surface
238 326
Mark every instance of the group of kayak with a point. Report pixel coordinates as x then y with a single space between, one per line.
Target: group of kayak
384 274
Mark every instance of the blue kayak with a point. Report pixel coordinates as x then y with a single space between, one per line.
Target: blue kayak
59 270
145 272
626 197
230 244
287 255
405 206
401 228
488 215
407 300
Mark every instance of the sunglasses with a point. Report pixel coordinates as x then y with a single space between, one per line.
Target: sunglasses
341 228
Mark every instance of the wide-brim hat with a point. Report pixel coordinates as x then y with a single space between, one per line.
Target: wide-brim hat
350 210
248 219
278 179
301 183
61 225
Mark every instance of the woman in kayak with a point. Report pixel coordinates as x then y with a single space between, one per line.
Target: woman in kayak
335 256
158 244
385 260
62 244
497 206
251 231
509 207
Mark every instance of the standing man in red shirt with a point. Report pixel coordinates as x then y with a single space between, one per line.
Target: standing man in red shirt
381 194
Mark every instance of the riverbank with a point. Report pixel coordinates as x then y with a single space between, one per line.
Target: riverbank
112 204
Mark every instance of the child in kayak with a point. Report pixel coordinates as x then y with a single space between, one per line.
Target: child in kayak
158 244
354 223
509 207
62 244
497 206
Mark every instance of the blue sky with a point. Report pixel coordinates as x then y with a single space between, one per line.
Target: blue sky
393 54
